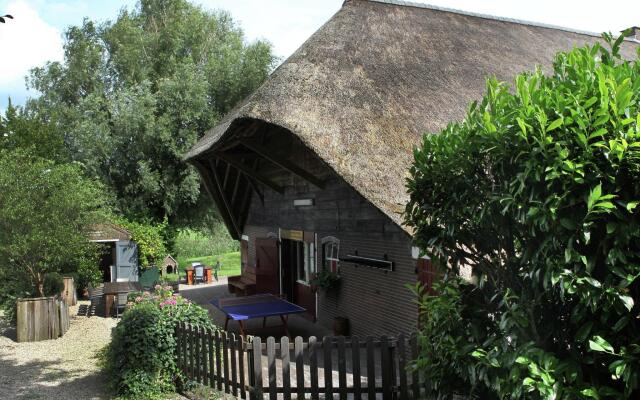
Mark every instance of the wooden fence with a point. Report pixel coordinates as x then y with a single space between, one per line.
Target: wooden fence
376 368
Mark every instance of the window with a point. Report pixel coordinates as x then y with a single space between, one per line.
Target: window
330 252
305 254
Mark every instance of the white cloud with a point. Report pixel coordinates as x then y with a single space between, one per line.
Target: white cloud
27 41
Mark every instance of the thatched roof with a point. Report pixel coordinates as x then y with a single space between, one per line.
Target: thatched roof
363 89
108 232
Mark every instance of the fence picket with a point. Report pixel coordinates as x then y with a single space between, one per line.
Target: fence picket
327 345
271 366
203 356
212 382
184 348
218 361
191 353
298 352
342 368
255 369
371 369
234 369
415 384
286 367
225 361
241 347
313 367
387 366
355 367
402 367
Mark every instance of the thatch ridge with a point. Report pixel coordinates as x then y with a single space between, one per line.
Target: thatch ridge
362 90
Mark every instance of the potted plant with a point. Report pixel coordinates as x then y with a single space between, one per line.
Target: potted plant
325 280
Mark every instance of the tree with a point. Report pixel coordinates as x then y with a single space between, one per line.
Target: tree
132 96
45 211
537 190
20 130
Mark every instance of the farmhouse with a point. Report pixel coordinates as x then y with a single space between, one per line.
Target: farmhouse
309 171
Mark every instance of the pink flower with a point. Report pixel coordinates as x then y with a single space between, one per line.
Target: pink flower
138 299
158 287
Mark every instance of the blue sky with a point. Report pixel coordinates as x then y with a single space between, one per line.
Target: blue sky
35 35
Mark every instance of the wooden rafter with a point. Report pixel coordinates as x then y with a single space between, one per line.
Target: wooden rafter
223 196
250 172
211 188
282 162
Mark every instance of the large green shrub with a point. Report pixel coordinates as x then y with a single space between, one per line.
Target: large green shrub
53 284
537 191
45 209
141 358
150 239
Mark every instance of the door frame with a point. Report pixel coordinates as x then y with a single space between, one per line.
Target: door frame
298 235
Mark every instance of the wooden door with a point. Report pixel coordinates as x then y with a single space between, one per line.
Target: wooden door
427 275
303 295
267 279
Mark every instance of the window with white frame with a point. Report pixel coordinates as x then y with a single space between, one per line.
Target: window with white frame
330 252
305 254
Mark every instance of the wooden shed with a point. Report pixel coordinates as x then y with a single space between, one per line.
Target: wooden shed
309 171
119 261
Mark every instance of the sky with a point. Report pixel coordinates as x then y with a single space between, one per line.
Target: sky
35 35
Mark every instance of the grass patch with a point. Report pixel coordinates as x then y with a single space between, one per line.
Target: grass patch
230 264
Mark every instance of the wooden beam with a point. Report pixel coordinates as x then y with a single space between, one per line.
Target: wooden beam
235 187
251 173
226 177
282 162
210 187
223 195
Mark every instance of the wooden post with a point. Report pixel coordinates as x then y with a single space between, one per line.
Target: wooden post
298 352
255 376
371 369
271 364
313 367
241 347
218 362
342 368
415 384
286 367
402 367
355 367
327 344
225 361
197 353
234 369
212 379
386 368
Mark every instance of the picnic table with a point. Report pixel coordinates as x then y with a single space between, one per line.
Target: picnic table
256 306
111 290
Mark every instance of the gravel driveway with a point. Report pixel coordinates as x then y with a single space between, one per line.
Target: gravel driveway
66 368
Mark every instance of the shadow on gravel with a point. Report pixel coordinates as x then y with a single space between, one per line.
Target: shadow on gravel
40 379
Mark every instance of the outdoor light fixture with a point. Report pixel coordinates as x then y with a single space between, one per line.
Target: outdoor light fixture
303 202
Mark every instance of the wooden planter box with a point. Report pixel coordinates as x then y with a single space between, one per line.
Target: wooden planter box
69 293
41 318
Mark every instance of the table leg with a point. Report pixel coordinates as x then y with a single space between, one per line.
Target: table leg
264 322
241 328
226 323
108 302
285 319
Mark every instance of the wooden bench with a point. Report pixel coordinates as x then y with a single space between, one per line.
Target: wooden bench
245 284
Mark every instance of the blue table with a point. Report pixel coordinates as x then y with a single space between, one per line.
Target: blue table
256 306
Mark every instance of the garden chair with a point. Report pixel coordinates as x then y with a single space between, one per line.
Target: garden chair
121 303
199 273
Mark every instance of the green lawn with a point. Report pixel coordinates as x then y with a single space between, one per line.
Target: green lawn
230 264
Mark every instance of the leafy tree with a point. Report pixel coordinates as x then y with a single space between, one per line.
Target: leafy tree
537 190
45 209
21 130
133 95
150 240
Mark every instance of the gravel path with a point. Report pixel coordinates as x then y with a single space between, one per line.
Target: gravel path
65 368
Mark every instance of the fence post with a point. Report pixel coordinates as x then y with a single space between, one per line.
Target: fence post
402 366
386 368
327 344
255 369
